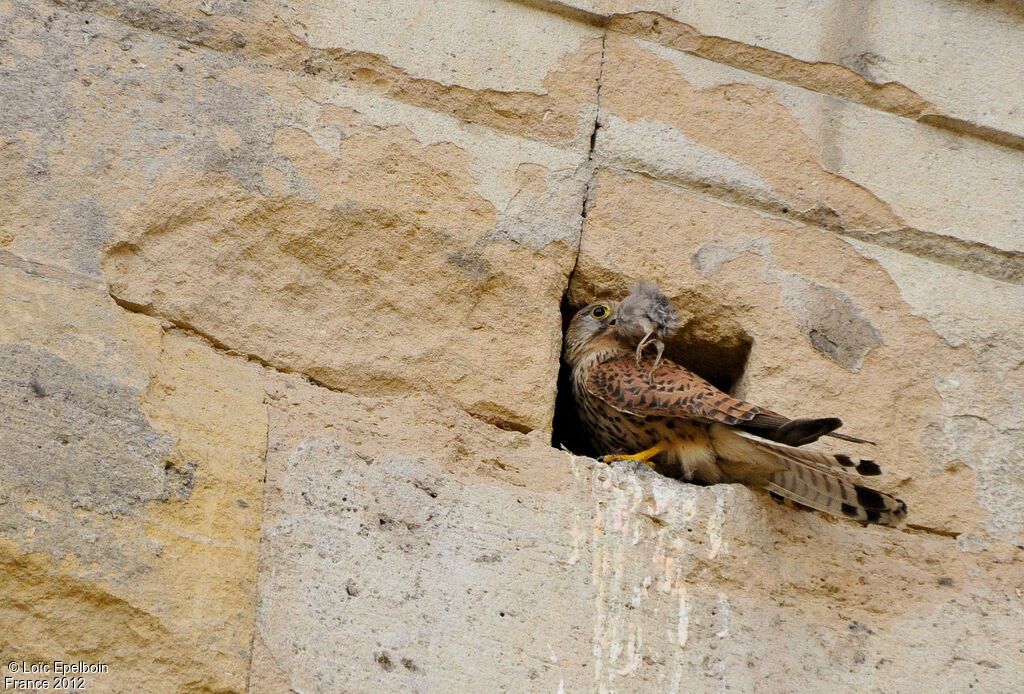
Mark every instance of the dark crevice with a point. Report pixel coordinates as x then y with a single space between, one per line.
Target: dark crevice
931 531
714 356
593 144
565 427
590 154
710 344
500 422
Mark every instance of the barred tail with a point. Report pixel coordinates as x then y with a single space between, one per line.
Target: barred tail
833 494
814 479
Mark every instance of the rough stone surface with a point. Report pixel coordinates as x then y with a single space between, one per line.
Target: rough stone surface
108 455
828 162
963 187
893 45
417 563
832 323
237 199
387 570
281 294
130 508
983 408
537 82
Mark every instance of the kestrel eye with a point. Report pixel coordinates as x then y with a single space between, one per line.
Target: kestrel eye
600 312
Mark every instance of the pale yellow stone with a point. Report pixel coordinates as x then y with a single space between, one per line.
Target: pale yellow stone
155 579
963 57
539 81
275 181
467 44
401 535
734 138
387 198
399 275
961 187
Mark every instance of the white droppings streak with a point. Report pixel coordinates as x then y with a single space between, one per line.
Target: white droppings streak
662 499
690 507
677 680
575 530
726 611
620 522
683 625
715 527
633 649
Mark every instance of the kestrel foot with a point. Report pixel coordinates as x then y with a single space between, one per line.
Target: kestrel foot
660 346
640 347
641 457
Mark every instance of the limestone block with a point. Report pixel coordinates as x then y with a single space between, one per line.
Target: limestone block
371 243
814 337
735 141
74 435
403 530
983 400
538 82
475 50
409 547
825 160
132 467
966 74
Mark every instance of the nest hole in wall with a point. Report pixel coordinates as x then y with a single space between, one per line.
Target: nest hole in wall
710 343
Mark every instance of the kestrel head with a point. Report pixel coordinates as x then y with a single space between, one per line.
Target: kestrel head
592 327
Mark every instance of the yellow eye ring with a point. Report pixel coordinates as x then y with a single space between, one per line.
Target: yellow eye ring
600 312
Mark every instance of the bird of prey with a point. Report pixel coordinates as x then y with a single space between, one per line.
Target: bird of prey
681 420
646 317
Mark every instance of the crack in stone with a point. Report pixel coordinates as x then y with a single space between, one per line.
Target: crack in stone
218 345
224 348
588 189
593 142
221 347
823 77
975 130
819 76
912 528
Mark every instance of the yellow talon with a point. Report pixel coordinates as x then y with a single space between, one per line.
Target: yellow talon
641 457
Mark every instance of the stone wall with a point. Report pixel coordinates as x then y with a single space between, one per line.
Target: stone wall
282 294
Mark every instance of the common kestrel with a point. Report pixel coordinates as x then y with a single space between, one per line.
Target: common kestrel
675 417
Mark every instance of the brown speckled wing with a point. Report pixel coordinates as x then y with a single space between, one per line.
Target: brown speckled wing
672 391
